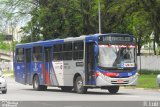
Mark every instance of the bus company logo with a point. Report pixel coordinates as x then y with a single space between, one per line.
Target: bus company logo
9 103
35 67
18 67
151 103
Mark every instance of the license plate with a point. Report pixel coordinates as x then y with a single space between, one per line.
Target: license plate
120 81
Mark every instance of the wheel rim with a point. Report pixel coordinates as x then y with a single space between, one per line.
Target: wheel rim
79 85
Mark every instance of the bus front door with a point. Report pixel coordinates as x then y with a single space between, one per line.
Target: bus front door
27 72
89 66
47 64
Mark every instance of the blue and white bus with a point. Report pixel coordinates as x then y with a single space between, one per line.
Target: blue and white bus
104 61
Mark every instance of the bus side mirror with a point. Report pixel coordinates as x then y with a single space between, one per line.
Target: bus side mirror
96 49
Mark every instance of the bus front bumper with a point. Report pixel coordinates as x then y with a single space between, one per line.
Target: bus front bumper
108 81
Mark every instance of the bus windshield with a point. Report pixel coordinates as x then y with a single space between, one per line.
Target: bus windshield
116 56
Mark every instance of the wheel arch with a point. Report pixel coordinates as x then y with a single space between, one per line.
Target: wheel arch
75 76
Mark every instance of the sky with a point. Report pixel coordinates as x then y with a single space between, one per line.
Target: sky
17 20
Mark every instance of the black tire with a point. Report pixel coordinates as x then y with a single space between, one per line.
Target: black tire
78 86
43 87
66 88
113 89
4 91
36 84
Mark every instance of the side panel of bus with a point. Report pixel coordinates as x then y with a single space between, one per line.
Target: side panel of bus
90 67
37 66
19 66
23 66
19 73
73 61
27 67
47 64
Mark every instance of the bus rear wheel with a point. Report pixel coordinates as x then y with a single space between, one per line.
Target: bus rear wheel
36 84
113 89
4 91
78 86
66 88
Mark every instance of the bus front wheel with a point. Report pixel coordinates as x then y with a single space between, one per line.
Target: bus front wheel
78 85
113 89
36 84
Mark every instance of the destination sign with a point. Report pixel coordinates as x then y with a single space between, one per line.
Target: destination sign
115 38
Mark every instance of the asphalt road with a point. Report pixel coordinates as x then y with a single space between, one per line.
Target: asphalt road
19 92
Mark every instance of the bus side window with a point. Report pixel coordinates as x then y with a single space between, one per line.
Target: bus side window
37 54
20 55
34 58
78 48
67 51
57 52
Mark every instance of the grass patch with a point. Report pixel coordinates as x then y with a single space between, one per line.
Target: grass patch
8 73
147 81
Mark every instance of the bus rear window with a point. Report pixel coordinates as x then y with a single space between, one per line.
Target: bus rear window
20 55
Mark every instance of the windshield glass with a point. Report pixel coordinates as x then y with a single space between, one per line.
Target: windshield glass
116 56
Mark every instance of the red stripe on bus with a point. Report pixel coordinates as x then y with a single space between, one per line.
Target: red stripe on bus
47 78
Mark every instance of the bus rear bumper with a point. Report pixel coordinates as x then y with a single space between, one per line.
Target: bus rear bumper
108 81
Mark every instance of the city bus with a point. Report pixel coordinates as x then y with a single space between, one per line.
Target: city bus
105 61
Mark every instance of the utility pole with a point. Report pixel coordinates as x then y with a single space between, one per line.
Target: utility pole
31 32
12 42
99 16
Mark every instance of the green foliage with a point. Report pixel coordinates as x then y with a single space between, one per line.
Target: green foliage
147 81
1 37
149 72
158 50
3 45
52 19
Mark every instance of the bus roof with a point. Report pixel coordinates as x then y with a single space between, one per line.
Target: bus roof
54 41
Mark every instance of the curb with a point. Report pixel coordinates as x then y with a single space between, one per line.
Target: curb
139 88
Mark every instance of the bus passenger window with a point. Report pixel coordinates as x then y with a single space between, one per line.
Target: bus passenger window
37 54
57 52
78 48
67 51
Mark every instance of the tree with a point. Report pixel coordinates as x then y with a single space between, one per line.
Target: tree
57 19
3 45
125 16
152 7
